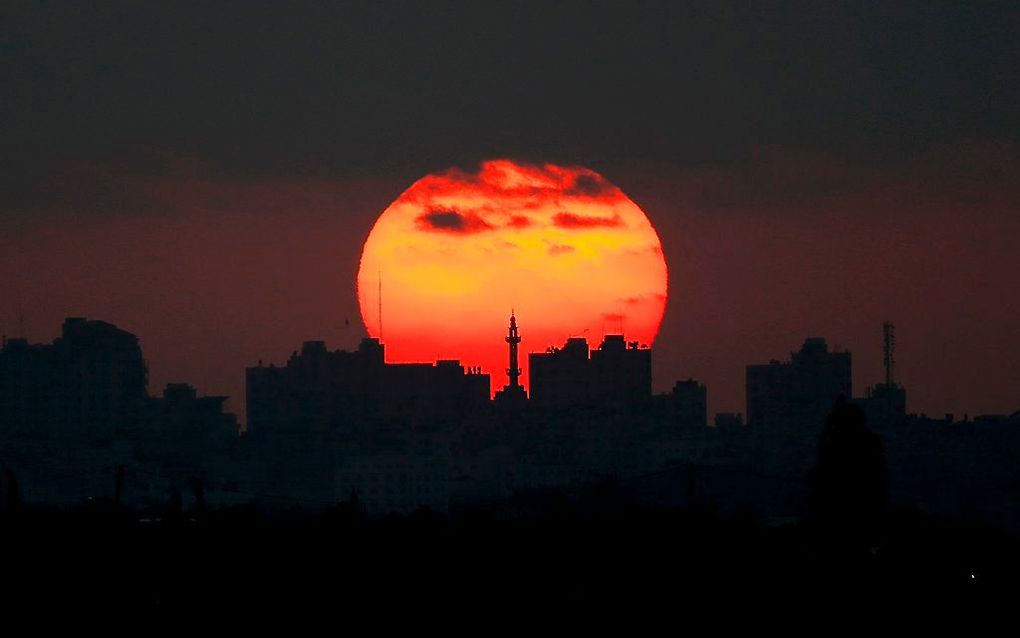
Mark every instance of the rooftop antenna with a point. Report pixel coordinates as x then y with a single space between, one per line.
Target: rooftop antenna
380 305
888 350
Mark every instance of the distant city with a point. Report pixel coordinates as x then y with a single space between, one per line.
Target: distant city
78 425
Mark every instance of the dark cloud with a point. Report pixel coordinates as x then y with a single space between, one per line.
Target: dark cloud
788 183
385 87
560 249
570 221
640 299
587 185
451 221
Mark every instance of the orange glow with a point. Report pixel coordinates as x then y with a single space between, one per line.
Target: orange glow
563 247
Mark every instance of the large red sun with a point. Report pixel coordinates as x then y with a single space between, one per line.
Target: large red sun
564 248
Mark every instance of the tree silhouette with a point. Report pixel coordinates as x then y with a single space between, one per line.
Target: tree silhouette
849 485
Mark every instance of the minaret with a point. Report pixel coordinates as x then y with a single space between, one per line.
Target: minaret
512 394
512 338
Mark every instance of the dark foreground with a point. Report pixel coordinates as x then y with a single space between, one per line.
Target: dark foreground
539 555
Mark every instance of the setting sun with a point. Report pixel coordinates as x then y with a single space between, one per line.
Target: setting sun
564 248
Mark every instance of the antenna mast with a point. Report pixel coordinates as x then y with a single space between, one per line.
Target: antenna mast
888 350
380 305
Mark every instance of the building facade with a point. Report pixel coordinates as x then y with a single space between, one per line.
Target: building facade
616 372
320 389
91 382
689 403
800 391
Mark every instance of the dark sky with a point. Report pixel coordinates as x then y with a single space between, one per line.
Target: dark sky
204 174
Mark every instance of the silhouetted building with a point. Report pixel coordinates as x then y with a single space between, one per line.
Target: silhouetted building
182 412
27 387
195 439
317 388
884 404
800 391
513 393
689 402
616 373
561 376
423 391
849 485
321 389
76 413
622 372
91 381
729 420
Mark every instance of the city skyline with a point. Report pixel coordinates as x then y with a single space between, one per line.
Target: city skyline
328 425
862 388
